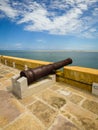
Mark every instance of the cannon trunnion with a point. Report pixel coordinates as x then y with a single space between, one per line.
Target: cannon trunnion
42 71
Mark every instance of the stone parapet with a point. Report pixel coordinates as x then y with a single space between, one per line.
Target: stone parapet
21 63
79 76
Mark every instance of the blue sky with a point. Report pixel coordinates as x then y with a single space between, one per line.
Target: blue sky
49 25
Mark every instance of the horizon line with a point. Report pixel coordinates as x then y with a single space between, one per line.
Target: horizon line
50 50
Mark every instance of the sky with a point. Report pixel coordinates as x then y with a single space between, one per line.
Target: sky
49 25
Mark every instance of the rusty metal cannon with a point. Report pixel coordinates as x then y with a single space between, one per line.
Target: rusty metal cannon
42 71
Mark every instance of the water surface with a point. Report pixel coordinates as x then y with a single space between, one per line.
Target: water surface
84 59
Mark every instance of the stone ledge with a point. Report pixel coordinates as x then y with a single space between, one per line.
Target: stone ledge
81 74
21 63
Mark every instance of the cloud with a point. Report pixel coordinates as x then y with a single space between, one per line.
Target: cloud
7 9
40 40
58 17
18 45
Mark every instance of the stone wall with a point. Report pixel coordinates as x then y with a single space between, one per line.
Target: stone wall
79 76
21 63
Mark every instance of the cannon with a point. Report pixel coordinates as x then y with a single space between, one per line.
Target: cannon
35 74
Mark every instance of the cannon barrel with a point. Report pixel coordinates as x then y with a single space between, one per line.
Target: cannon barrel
42 71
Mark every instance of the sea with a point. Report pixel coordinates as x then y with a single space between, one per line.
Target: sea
80 58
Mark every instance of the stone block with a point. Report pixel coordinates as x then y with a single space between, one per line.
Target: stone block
62 123
25 122
10 108
83 118
54 99
91 106
95 89
21 89
43 112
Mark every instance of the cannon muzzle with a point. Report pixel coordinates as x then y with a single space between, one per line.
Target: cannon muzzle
42 71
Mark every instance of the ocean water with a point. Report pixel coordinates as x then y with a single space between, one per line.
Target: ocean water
84 59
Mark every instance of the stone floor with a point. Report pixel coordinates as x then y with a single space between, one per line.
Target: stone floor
59 107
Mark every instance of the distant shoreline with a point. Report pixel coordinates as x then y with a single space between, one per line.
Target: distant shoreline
52 50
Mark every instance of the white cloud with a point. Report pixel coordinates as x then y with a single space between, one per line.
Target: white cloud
6 8
40 40
95 12
60 17
83 6
92 30
18 45
34 16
